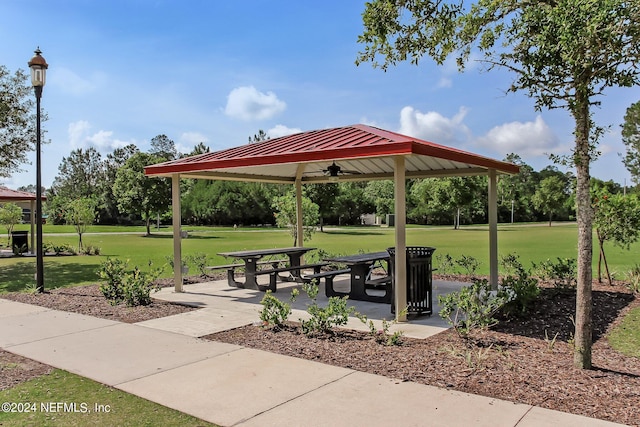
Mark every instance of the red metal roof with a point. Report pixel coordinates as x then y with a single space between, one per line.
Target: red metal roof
363 148
6 195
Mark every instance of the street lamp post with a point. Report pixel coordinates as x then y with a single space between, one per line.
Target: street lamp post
38 67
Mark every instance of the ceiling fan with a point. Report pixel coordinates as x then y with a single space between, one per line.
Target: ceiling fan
334 171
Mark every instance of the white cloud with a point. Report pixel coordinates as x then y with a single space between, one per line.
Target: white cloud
528 138
281 130
188 140
434 127
247 103
72 83
103 141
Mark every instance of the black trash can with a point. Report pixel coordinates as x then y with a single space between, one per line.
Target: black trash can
19 242
419 279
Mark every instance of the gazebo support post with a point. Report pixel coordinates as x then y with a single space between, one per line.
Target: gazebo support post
299 224
177 232
400 291
493 229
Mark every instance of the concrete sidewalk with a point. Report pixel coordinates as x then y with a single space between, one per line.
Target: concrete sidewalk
235 386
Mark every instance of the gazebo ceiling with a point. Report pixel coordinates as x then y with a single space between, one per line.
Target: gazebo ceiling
363 152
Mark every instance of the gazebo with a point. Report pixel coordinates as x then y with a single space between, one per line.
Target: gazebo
22 199
325 155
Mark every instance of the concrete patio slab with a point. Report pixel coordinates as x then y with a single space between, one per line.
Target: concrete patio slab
120 352
220 296
26 325
235 387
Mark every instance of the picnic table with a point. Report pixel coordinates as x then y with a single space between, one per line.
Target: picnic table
361 267
251 259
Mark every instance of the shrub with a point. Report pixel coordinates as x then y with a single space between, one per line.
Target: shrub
133 288
469 264
561 273
90 250
633 276
137 285
382 336
473 307
323 319
518 289
445 263
275 312
200 261
113 271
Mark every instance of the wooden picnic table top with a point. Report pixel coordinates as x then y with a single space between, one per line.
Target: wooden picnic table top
257 253
360 258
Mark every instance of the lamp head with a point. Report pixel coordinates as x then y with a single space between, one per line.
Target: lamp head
38 66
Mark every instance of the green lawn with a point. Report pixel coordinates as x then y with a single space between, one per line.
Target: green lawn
626 337
95 404
534 243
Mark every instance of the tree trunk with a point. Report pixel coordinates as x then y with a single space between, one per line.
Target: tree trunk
550 217
606 264
583 320
148 225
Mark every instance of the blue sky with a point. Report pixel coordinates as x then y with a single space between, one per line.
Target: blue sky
218 71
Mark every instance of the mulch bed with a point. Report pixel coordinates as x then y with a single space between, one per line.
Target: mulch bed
527 360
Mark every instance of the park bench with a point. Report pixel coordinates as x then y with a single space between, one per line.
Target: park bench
328 280
274 276
231 268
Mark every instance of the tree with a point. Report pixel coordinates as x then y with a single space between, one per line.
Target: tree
81 213
285 207
381 195
260 136
617 218
10 215
551 196
563 53
138 194
163 147
109 212
631 139
80 174
17 120
323 195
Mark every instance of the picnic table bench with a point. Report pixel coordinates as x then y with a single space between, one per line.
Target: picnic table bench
253 258
360 269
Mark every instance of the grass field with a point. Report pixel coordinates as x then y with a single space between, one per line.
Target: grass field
95 405
532 242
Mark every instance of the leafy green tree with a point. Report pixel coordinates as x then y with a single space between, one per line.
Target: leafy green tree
81 213
631 139
138 194
323 195
551 196
285 207
381 195
563 53
108 207
17 120
516 191
164 148
260 136
10 215
351 202
617 218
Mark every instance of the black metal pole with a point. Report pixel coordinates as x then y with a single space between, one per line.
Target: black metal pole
39 254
